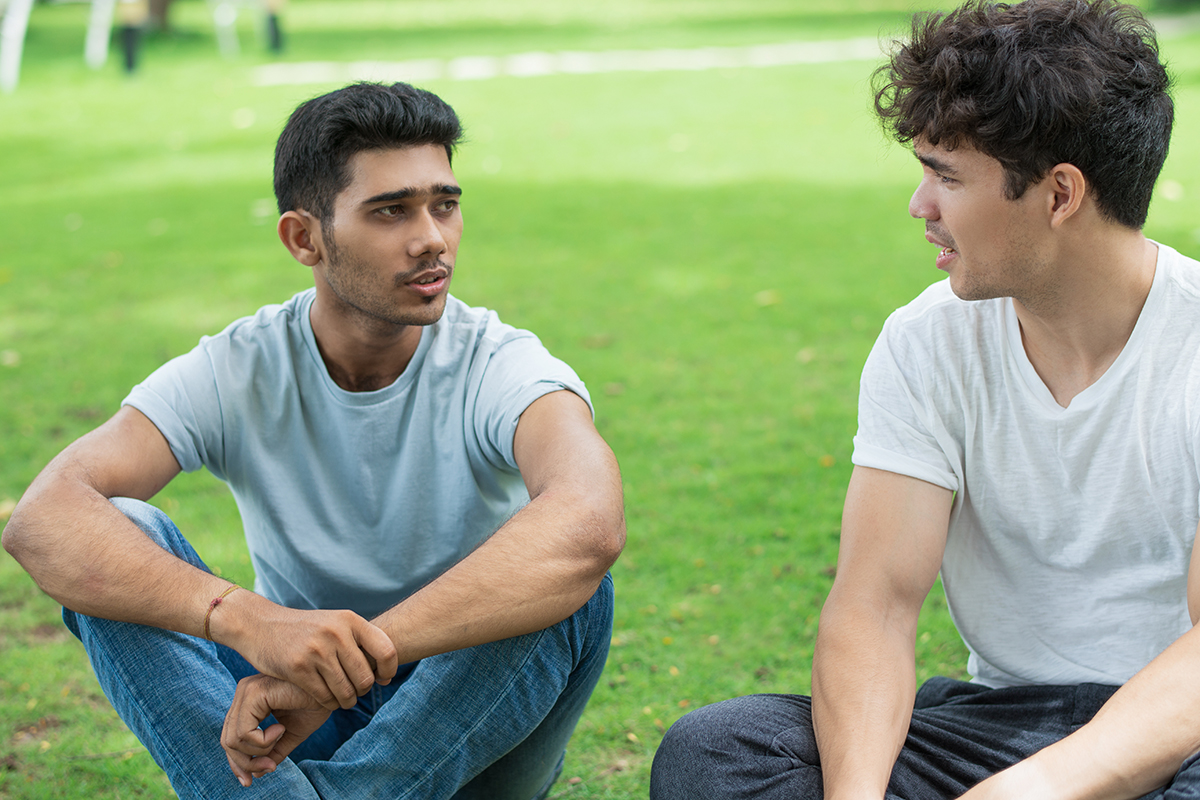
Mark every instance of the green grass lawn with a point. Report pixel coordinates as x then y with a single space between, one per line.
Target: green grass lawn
713 251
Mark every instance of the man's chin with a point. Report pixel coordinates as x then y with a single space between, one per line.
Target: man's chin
966 290
426 314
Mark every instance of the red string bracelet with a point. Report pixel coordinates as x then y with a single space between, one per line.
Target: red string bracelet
216 601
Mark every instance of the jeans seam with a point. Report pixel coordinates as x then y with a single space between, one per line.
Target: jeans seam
117 668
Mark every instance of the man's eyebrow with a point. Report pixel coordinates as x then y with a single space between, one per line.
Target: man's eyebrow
935 164
412 191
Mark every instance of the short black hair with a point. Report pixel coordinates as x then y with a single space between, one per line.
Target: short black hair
325 132
1035 84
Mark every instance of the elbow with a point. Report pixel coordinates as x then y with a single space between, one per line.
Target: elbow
604 536
611 542
11 538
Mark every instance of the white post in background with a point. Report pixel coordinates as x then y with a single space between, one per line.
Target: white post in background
225 16
12 41
95 48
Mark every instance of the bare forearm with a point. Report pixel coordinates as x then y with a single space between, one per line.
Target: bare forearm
1136 742
537 570
863 689
89 557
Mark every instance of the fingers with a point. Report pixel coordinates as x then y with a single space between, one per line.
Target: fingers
381 652
247 769
372 657
333 683
252 752
247 748
334 656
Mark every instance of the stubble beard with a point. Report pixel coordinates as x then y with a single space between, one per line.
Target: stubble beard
346 275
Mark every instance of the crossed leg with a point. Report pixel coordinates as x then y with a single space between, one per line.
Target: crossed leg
763 747
489 721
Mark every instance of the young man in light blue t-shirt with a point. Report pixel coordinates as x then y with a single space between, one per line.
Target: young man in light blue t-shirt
430 512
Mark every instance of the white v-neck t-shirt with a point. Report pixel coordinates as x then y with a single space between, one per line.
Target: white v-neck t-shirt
1072 528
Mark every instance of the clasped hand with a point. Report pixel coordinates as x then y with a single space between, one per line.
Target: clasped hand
311 662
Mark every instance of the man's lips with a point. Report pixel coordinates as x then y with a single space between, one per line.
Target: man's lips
944 257
430 282
947 253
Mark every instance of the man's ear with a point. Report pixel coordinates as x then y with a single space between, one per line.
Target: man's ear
1069 188
300 233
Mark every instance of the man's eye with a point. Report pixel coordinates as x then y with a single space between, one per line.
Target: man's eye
447 205
390 211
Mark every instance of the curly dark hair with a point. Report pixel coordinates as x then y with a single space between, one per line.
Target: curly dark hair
325 132
1035 84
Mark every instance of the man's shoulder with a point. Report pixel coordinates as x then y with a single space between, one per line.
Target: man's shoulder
474 328
267 319
939 317
1183 273
938 301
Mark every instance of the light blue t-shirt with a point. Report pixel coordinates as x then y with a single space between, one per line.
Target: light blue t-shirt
356 499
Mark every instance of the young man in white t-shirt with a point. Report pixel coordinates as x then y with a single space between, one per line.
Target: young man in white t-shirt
430 511
1029 427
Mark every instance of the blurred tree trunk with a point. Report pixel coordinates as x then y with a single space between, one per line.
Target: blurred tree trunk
158 14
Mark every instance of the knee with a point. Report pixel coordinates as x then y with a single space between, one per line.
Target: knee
589 630
691 758
158 527
150 519
739 748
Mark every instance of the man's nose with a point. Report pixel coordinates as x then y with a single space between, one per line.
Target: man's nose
427 238
921 205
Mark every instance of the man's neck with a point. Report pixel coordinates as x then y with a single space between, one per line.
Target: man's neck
1074 330
362 355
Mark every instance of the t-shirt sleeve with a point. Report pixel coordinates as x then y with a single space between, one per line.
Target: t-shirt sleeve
518 371
182 401
898 426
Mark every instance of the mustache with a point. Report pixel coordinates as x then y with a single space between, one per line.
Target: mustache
941 234
424 266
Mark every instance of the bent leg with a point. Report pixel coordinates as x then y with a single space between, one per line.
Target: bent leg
490 721
763 746
759 746
173 690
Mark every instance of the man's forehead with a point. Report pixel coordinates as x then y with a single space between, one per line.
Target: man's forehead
964 155
407 171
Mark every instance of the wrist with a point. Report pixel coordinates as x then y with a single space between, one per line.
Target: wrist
391 622
226 619
212 606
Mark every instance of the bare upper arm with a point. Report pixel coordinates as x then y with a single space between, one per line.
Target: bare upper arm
127 456
556 441
64 509
893 536
558 450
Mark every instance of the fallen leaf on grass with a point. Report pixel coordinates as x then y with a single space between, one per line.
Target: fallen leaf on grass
29 734
620 765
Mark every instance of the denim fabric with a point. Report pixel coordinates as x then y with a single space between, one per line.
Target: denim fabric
485 722
762 746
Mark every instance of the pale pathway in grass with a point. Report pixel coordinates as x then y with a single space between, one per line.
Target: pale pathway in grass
528 65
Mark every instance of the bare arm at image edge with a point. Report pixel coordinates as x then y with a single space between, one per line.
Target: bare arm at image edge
893 535
89 557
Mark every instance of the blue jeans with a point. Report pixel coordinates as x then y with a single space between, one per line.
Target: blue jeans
762 746
490 721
